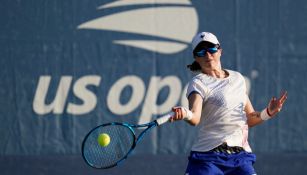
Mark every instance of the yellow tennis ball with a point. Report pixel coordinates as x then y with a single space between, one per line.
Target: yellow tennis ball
103 139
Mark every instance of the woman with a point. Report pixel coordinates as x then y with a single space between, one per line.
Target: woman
219 104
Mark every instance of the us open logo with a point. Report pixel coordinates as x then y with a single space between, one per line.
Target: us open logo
171 24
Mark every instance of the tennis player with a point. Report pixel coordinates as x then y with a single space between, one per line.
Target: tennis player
220 106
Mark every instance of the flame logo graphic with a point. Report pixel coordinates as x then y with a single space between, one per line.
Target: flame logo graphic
172 24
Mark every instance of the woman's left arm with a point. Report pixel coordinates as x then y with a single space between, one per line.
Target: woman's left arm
275 105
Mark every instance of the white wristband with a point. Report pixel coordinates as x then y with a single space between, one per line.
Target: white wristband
189 113
264 114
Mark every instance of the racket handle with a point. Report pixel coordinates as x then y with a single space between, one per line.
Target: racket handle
165 118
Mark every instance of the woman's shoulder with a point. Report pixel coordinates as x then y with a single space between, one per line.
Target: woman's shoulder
203 79
200 77
233 73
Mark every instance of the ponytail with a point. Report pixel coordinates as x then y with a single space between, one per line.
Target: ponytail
194 67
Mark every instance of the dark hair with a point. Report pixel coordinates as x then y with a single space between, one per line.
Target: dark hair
194 67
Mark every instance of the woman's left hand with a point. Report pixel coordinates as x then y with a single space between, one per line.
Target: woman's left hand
275 105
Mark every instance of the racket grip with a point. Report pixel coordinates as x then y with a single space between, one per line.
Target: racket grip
165 118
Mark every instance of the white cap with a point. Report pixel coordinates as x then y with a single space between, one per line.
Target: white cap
204 36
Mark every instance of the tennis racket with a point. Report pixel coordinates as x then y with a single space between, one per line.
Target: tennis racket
122 141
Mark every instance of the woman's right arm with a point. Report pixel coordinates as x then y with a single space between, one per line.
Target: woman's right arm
195 106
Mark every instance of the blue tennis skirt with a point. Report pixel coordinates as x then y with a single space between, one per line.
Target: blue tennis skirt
213 163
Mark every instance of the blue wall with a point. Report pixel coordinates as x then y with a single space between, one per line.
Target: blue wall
67 66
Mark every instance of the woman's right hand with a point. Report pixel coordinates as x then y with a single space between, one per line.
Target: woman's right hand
180 113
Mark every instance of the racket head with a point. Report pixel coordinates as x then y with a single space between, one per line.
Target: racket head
122 141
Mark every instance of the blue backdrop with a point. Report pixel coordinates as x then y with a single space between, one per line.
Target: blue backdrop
68 66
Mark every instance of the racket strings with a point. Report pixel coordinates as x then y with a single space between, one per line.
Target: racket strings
122 139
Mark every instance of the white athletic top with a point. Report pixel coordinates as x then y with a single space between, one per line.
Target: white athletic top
223 118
